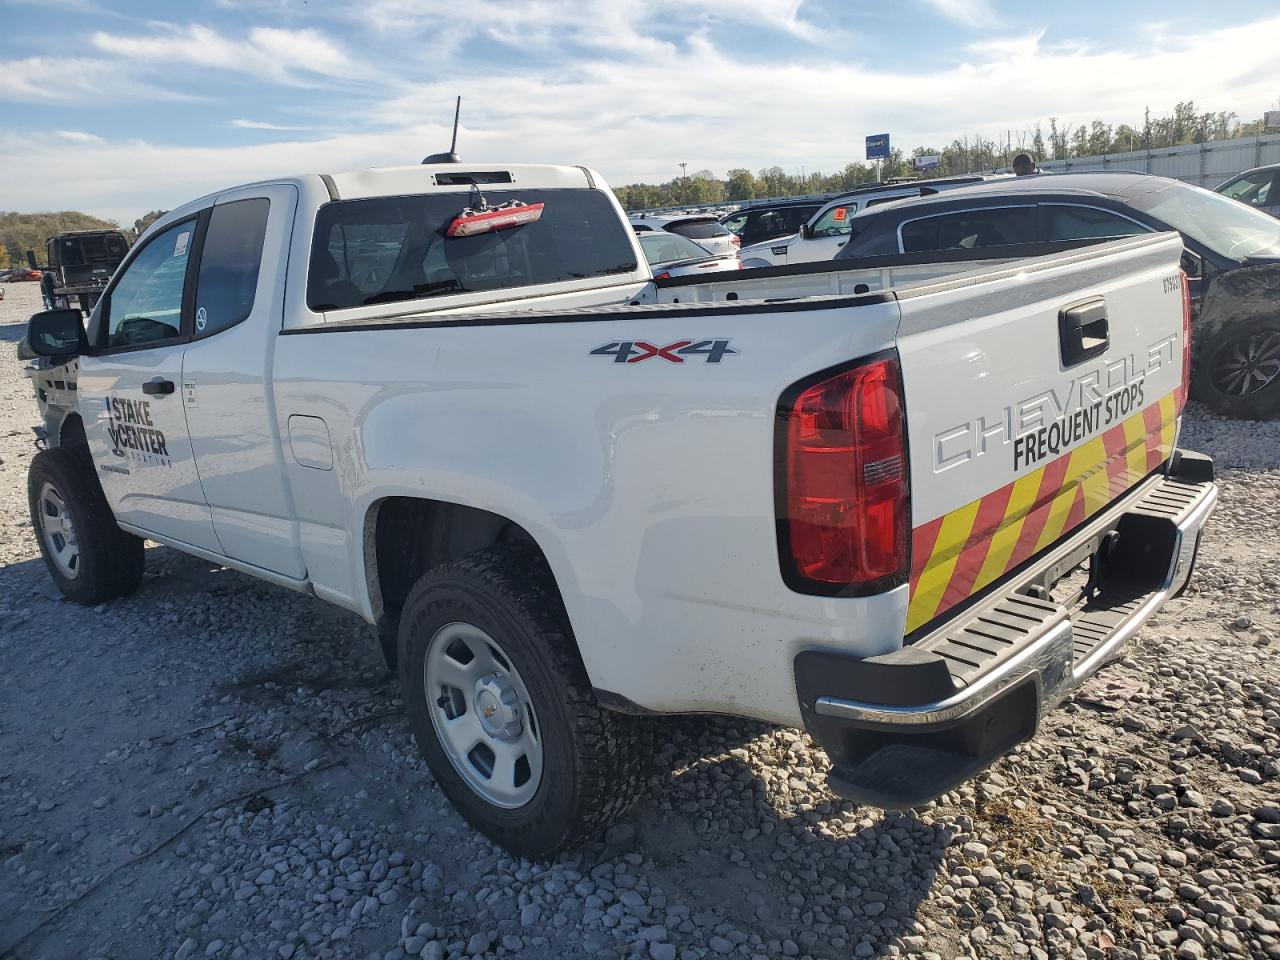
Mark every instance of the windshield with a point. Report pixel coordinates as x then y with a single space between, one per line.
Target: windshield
1225 226
662 248
390 249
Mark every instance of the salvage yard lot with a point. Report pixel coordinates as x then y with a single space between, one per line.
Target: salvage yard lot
218 767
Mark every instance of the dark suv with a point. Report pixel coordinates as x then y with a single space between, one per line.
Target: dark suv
1232 258
766 221
81 263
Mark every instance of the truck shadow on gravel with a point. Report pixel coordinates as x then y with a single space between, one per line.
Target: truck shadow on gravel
740 826
735 847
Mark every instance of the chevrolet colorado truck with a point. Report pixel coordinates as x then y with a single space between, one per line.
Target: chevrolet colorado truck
907 505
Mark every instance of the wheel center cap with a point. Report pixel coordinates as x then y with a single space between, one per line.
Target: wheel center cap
498 707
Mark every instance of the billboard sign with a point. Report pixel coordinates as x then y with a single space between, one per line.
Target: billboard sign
1271 120
926 163
878 147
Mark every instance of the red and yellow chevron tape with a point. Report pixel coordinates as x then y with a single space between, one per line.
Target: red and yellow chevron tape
959 553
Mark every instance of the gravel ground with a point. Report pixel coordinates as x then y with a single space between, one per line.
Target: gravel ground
215 767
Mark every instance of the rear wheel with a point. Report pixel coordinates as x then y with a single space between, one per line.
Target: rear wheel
1238 370
502 710
90 558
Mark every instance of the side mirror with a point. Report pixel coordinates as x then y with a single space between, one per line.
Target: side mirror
56 334
1193 264
806 231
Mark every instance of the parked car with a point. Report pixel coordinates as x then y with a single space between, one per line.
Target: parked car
1232 258
23 275
822 236
767 221
671 255
703 229
1259 188
566 494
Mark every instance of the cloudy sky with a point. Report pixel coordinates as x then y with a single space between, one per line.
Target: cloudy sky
121 107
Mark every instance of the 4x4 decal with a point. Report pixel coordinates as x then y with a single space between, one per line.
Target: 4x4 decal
634 351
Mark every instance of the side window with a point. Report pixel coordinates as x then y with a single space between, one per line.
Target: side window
145 305
796 217
229 264
1254 189
735 223
970 229
835 221
1085 223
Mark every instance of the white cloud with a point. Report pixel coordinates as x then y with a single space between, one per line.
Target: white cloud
634 111
241 124
971 13
79 136
268 52
75 79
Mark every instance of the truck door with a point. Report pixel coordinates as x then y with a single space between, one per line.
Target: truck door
130 395
226 390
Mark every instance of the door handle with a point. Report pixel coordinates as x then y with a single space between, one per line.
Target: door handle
1083 332
158 387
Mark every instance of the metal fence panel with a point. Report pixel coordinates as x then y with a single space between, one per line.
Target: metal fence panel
1204 164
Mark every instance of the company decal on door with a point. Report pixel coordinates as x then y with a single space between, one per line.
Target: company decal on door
132 433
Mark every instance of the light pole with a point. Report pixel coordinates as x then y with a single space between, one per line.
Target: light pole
684 180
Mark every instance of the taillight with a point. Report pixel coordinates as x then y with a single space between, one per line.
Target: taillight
661 276
843 507
735 240
1186 341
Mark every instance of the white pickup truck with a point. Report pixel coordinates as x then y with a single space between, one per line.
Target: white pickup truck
906 505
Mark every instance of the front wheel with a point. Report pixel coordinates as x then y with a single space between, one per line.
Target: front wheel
502 710
1238 370
89 557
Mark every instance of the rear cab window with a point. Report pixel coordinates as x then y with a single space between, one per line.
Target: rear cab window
389 249
229 264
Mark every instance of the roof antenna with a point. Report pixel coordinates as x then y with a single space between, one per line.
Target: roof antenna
452 155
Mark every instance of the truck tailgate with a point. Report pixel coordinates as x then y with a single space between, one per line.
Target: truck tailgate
1035 398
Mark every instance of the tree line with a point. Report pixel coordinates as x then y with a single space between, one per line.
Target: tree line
1056 140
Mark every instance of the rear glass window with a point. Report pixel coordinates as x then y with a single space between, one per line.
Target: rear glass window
668 248
699 229
388 249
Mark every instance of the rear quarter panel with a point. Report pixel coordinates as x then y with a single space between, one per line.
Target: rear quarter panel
648 485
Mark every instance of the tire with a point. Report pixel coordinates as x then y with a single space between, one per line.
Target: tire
591 759
1237 369
89 557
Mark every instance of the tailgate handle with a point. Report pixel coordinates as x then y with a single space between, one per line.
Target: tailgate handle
1082 331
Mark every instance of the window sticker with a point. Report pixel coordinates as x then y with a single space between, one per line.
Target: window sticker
180 244
202 319
838 215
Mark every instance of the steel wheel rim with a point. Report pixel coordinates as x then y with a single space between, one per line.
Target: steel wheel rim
482 715
58 531
1249 364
